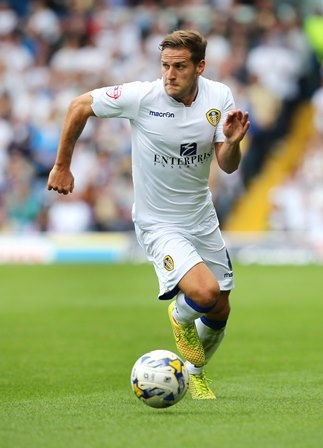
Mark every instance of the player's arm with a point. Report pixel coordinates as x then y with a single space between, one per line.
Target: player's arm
61 178
228 153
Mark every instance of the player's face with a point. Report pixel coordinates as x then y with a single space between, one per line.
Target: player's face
180 74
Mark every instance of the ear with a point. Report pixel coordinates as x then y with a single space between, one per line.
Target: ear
200 67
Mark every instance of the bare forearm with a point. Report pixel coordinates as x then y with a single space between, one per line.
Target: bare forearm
77 115
228 153
228 156
60 178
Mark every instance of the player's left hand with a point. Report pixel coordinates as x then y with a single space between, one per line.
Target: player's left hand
236 125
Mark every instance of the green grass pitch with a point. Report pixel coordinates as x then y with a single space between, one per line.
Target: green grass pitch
69 335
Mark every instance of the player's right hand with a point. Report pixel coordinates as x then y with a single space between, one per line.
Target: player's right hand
61 180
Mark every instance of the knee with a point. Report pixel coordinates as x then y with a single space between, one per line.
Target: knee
207 295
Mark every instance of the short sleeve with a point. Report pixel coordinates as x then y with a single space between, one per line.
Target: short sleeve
117 101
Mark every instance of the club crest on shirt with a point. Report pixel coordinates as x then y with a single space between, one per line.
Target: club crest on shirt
213 116
114 92
168 263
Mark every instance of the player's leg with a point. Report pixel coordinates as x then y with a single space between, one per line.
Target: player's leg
201 286
176 260
198 295
211 331
178 265
211 327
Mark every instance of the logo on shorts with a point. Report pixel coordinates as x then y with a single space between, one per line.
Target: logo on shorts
213 116
168 263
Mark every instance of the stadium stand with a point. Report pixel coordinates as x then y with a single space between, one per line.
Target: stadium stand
253 211
52 50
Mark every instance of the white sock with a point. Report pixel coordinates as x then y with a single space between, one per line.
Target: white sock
192 369
183 313
210 338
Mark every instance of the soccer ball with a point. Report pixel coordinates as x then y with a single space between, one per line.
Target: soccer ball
159 378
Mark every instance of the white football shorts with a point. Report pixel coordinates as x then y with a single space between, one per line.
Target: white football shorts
173 253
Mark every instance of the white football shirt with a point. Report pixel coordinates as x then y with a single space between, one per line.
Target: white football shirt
172 149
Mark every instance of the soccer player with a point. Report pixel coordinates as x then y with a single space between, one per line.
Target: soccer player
179 123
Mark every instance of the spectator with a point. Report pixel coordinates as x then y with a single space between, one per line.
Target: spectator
317 103
51 51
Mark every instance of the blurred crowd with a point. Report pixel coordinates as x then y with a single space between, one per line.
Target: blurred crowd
297 204
268 52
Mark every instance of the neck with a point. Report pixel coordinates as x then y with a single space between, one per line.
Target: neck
189 99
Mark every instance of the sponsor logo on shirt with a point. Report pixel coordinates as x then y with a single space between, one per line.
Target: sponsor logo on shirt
213 116
114 92
188 149
161 114
189 157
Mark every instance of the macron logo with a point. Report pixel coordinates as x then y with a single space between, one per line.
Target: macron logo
162 114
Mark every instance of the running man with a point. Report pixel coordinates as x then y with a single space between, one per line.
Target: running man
179 123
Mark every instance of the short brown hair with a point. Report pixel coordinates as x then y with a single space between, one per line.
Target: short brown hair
190 39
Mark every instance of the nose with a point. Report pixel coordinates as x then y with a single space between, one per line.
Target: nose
171 73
